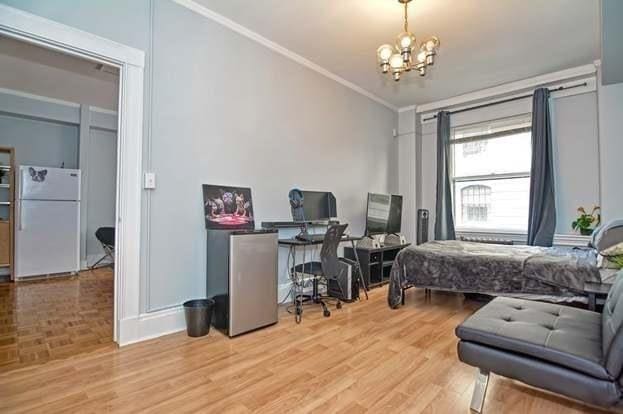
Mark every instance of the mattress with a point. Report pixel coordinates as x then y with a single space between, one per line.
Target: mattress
493 269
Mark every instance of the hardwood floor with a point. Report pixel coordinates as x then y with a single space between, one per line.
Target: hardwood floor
364 358
55 318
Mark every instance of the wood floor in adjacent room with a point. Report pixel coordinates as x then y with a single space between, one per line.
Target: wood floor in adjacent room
55 318
364 358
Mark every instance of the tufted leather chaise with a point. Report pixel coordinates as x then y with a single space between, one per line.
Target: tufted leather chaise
570 351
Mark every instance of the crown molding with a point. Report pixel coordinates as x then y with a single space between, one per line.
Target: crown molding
407 108
256 37
511 87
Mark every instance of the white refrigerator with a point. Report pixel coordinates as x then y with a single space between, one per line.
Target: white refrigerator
47 236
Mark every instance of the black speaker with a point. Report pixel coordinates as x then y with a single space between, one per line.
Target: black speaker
422 226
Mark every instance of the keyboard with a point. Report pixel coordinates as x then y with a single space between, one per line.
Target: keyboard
310 237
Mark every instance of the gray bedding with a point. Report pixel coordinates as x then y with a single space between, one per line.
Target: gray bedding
494 269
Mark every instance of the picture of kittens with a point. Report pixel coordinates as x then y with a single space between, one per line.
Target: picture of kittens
228 201
228 207
241 205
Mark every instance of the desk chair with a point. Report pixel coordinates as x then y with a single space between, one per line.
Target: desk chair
106 237
330 267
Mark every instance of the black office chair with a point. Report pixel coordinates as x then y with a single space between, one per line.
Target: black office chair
331 268
106 237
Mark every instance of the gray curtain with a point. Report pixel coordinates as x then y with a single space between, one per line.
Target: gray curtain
542 214
444 221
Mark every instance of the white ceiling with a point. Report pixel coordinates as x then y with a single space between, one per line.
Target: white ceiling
483 42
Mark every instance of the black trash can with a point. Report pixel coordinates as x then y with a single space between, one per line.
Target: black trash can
198 314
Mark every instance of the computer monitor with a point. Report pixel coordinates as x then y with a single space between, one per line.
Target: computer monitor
228 208
316 205
377 215
395 215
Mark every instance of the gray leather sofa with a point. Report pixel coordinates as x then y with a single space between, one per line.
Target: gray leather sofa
569 351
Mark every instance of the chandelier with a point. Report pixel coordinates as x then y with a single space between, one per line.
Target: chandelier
398 59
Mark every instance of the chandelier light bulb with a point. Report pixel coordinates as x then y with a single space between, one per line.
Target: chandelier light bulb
405 42
421 56
396 62
432 45
384 52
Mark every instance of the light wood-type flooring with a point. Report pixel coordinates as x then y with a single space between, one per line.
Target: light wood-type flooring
365 358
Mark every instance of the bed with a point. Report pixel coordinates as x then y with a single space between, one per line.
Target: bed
501 270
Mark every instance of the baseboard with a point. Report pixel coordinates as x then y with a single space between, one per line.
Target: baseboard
151 325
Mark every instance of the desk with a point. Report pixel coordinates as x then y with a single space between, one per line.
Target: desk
297 279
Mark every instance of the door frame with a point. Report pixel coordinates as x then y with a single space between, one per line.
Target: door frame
37 30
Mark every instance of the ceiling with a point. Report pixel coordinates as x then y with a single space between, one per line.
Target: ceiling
484 43
33 69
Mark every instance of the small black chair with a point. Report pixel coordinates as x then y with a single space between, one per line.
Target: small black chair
330 268
106 237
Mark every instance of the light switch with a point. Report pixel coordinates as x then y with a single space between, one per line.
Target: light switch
150 181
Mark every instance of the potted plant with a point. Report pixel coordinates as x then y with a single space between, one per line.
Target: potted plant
586 222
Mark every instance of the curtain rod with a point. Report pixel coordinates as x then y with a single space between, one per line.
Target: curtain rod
560 88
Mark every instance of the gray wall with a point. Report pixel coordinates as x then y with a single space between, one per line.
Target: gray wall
240 114
227 110
576 152
611 149
102 163
611 45
42 143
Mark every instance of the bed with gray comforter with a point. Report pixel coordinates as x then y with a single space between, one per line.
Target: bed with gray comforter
492 269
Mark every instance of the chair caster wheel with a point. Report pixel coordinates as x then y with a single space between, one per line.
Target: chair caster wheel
339 305
326 313
298 315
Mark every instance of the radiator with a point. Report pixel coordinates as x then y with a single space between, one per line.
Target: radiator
487 240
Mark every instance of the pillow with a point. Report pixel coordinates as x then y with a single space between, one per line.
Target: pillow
608 235
612 257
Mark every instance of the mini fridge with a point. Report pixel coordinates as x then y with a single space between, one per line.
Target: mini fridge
242 279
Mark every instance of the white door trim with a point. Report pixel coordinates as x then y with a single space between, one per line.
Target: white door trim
52 35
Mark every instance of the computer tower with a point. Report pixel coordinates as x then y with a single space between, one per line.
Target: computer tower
422 226
349 284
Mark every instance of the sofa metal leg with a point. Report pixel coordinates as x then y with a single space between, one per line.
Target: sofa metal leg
480 389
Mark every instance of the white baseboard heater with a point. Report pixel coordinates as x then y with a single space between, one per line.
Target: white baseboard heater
487 240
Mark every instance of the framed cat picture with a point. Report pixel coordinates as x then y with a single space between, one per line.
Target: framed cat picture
228 208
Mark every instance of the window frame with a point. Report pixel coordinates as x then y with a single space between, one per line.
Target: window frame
521 119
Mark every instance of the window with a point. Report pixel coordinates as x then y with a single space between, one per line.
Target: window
490 167
475 203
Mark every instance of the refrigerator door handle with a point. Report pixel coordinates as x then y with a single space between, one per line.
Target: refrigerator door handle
19 215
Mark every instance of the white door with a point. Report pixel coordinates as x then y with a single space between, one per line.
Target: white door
47 237
43 183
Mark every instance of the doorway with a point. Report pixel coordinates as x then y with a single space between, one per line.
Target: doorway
33 29
58 166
